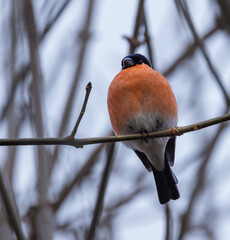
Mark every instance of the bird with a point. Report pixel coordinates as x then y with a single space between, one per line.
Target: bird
140 100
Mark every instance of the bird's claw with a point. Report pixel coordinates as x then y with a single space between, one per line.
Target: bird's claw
145 134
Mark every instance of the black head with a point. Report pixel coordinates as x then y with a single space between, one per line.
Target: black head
134 59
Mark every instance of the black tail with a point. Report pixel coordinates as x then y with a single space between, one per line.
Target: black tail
166 182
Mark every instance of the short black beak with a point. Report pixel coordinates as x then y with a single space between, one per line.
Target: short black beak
127 62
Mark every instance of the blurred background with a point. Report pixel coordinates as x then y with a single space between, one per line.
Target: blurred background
49 51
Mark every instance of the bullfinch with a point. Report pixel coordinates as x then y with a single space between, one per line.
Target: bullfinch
140 100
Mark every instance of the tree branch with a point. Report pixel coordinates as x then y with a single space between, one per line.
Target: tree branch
168 227
200 44
11 214
84 38
101 193
19 76
80 142
134 43
44 216
88 90
148 39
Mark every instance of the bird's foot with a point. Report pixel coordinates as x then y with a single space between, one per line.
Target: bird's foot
145 134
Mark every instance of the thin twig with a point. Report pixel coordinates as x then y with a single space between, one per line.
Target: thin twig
201 46
80 142
10 210
101 193
88 90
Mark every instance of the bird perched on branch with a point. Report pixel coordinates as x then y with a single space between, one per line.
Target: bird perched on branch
140 100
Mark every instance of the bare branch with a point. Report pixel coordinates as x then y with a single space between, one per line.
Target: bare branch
88 90
20 75
80 142
17 78
133 41
148 39
224 14
101 193
44 214
138 23
168 233
84 37
201 46
13 219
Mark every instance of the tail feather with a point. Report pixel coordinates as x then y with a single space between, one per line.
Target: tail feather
166 183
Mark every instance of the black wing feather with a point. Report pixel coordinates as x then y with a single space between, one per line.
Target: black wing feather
170 150
144 160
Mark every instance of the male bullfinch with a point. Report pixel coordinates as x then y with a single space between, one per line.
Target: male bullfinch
140 100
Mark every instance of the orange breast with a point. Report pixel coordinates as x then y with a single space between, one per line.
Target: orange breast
139 89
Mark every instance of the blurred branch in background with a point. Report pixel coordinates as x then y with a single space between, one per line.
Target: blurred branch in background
200 44
149 40
11 209
135 41
101 193
20 75
84 37
51 22
44 216
78 178
199 184
168 227
189 51
224 6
